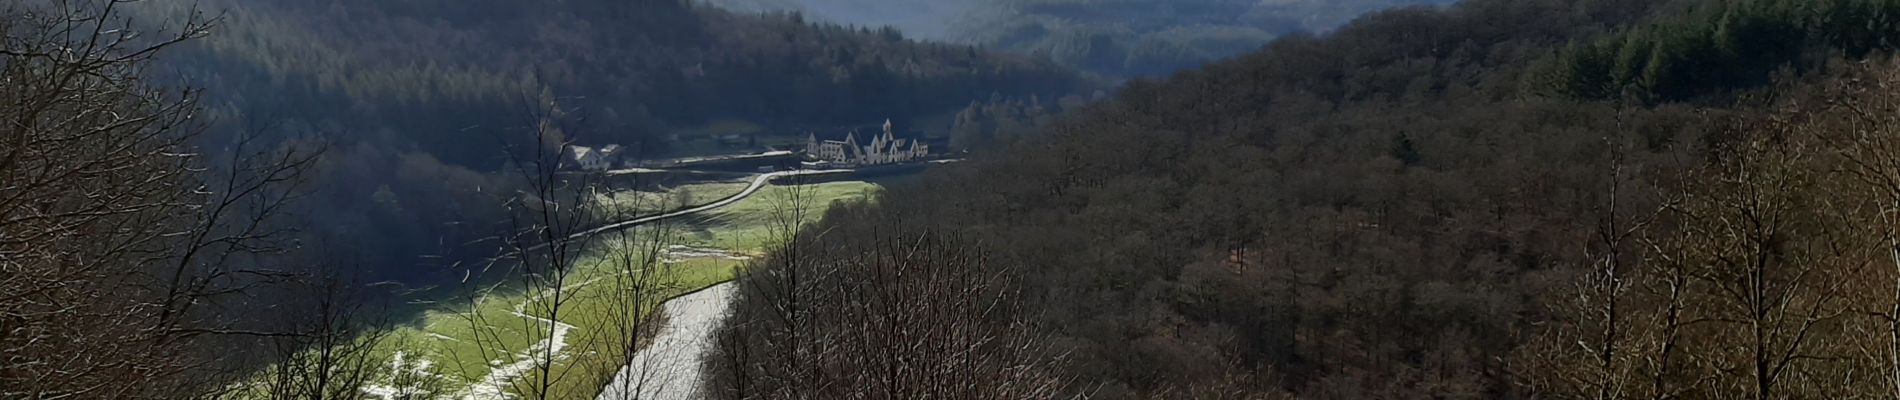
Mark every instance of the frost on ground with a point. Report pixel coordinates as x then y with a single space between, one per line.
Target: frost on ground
679 253
670 367
399 366
494 386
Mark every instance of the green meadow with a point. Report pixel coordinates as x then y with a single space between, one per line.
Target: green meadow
484 334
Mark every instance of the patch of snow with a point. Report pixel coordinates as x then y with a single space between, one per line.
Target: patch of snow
397 364
679 253
494 386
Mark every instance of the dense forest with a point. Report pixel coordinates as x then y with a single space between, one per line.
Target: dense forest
1134 38
1499 199
927 20
635 69
1114 38
1722 46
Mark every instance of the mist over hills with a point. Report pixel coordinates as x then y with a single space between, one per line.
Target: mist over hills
1120 38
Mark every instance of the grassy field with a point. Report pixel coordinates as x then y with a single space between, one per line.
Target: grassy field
463 341
748 226
640 203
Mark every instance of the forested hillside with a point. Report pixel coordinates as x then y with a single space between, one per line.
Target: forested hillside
1724 46
420 98
286 199
1456 203
1136 38
1116 38
633 69
922 19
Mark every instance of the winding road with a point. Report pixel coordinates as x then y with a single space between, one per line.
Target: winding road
757 183
670 367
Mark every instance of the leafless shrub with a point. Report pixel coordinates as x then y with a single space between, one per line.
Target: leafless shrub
329 346
551 234
882 313
118 237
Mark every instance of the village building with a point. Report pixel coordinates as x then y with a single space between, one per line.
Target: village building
878 150
591 159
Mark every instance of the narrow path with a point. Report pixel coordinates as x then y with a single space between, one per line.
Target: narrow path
669 368
495 385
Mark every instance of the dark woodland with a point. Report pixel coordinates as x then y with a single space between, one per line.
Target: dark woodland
1450 203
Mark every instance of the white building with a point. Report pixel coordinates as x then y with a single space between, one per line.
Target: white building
592 159
882 149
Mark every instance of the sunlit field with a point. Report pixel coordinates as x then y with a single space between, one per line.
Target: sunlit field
477 339
749 225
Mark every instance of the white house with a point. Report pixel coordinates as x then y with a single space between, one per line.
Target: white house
882 149
592 159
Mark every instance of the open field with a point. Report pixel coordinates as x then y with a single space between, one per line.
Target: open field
475 342
748 226
640 203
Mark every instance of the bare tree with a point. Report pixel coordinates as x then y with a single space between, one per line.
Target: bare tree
864 311
784 287
118 235
410 376
557 258
539 253
1764 241
330 346
1861 126
927 316
639 274
1668 284
1743 285
1602 345
1871 149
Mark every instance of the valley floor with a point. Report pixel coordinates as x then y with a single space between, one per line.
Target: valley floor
486 348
